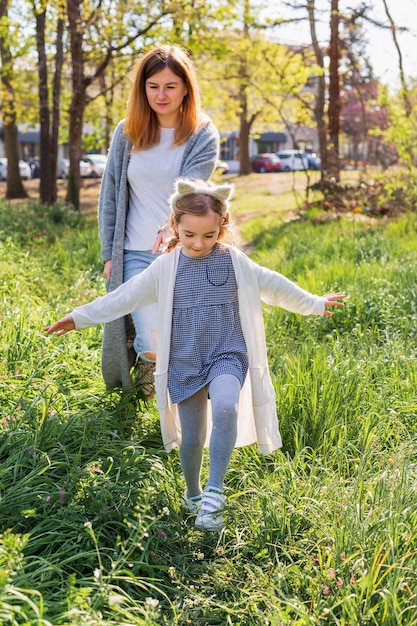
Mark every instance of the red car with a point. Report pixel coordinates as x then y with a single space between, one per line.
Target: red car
266 162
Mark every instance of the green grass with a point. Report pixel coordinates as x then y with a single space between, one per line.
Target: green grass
323 532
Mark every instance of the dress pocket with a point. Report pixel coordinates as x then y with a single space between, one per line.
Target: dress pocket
217 275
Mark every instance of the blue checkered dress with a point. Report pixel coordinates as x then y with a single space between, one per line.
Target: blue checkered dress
207 338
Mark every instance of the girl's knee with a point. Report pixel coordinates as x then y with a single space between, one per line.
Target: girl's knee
224 412
193 442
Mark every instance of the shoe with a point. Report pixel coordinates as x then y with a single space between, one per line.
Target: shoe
210 515
130 336
193 503
144 378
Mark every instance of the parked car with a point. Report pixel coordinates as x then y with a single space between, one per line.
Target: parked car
62 168
92 165
314 161
222 167
35 167
293 160
266 162
24 169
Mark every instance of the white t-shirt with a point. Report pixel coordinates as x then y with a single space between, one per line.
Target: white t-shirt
151 175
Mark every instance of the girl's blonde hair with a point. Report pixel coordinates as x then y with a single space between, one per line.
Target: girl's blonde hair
141 124
198 197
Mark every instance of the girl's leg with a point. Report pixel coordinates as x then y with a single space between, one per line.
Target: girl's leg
193 418
224 393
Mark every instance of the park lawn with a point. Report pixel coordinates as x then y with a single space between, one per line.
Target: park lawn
323 531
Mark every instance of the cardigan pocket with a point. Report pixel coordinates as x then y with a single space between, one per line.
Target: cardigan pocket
261 385
161 382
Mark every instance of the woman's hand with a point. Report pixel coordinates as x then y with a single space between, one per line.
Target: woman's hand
107 269
332 299
160 240
62 326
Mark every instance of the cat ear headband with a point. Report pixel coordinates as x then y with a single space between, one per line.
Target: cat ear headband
186 186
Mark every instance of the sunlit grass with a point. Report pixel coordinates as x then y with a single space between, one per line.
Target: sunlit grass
321 532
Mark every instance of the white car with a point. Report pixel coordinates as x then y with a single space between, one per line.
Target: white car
24 169
293 160
92 165
62 168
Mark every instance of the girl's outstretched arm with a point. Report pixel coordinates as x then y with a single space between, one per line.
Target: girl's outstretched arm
332 299
62 326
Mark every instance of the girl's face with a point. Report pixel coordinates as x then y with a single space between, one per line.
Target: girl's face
198 233
165 92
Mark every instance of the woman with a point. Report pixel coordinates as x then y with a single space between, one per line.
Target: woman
165 135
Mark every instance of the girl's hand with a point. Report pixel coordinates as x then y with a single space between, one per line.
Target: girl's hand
61 327
332 299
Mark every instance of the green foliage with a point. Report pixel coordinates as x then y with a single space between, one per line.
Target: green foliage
35 224
389 194
321 532
402 128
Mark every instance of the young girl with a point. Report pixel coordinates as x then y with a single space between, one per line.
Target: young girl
211 340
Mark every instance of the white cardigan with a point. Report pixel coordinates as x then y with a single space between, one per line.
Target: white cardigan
257 421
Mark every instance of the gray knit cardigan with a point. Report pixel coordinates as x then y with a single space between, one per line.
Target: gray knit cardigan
199 159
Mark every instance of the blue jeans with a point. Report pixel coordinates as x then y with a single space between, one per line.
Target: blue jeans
135 262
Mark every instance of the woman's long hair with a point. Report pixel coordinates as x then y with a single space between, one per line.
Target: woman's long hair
141 125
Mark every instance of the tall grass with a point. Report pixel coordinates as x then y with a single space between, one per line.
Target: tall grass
322 532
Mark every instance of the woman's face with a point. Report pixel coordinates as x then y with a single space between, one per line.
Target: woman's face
165 92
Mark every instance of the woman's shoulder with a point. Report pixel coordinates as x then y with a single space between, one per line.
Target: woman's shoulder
206 127
119 131
119 142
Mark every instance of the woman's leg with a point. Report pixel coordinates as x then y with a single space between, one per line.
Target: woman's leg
135 262
193 418
224 394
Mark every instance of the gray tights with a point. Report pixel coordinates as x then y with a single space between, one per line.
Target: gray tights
224 394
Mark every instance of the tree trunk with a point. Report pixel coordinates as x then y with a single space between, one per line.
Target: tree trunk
404 89
47 179
320 100
244 161
78 101
56 104
333 165
56 98
14 188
